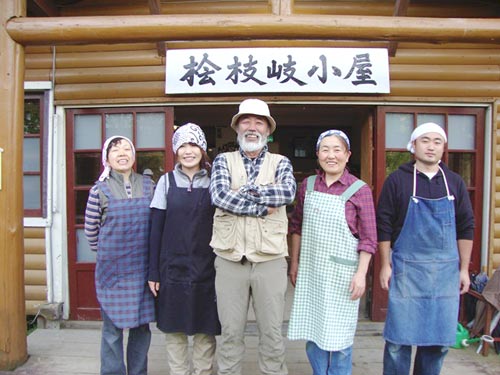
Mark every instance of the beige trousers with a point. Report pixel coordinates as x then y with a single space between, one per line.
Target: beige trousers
178 357
266 284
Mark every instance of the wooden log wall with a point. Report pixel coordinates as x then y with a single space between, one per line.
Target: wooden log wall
135 73
494 259
35 270
447 8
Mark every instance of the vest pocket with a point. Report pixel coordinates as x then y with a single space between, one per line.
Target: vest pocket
272 236
224 233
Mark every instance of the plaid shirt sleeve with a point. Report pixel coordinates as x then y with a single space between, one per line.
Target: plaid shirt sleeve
281 193
93 218
227 199
366 222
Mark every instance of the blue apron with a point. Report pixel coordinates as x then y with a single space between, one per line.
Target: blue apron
186 301
122 259
425 285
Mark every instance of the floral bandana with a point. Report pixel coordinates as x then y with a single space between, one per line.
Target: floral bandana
189 133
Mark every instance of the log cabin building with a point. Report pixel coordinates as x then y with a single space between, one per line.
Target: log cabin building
89 69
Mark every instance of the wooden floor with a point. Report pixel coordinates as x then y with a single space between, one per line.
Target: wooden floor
75 351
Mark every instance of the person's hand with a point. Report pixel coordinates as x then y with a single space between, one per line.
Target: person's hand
385 277
271 210
358 285
154 286
294 268
464 281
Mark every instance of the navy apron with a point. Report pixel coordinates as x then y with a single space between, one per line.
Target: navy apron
186 301
122 259
425 285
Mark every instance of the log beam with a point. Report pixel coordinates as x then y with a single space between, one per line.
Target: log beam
153 28
13 345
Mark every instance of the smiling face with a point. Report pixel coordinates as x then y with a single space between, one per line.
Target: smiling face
189 156
333 156
252 133
121 156
429 149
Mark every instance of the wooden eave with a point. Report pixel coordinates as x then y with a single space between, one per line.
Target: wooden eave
155 8
154 28
400 10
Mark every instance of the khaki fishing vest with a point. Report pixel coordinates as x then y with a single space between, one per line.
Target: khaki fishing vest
259 239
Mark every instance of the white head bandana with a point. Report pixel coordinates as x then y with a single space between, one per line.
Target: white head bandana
338 133
105 173
428 127
189 133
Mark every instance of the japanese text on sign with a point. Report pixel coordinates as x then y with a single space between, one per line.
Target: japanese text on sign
236 70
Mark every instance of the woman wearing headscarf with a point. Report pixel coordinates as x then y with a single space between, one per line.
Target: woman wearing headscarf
333 238
181 271
117 227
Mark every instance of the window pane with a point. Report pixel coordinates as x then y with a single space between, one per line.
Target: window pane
461 132
152 160
150 130
87 168
422 118
83 252
80 205
31 155
32 116
87 132
462 164
394 159
32 192
119 124
398 129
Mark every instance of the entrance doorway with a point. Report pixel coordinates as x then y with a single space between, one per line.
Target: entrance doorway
151 128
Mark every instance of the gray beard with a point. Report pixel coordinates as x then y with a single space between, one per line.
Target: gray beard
251 146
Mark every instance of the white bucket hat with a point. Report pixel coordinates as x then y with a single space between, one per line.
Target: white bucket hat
254 107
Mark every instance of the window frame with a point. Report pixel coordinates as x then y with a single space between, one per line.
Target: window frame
43 98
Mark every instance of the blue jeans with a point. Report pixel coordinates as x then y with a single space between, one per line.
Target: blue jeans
329 363
112 362
428 360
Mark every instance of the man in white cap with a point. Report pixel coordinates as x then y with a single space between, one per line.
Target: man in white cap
250 188
425 217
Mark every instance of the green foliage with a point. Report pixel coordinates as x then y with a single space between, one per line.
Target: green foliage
393 159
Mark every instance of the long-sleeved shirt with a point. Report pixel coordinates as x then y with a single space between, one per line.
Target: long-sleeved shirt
398 188
359 209
251 199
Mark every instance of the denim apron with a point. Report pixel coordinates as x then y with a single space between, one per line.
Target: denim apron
186 301
322 310
122 259
425 283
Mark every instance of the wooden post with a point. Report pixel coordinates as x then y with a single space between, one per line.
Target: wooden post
13 346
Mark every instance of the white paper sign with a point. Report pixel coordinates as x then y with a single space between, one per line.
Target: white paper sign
273 70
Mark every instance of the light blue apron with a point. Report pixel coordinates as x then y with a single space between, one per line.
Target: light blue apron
424 288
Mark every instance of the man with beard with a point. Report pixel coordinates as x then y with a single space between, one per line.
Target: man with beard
250 188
